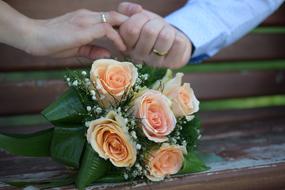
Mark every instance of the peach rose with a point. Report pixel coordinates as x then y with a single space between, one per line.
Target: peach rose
167 160
184 101
109 138
112 79
157 119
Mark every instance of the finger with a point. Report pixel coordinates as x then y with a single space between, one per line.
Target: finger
86 18
66 53
174 57
187 55
147 38
129 9
105 29
93 52
114 18
163 44
165 40
131 29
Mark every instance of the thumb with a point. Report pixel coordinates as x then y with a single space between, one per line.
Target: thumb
129 9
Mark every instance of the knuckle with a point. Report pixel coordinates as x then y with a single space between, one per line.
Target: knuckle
179 40
164 36
80 21
132 31
82 11
81 18
149 31
112 14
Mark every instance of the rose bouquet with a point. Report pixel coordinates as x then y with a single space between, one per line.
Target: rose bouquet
121 122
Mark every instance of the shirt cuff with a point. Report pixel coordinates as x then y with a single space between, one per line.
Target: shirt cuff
204 35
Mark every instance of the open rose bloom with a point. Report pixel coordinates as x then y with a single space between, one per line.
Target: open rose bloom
112 79
184 101
166 160
157 119
110 139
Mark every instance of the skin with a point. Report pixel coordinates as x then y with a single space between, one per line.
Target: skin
68 35
145 31
73 35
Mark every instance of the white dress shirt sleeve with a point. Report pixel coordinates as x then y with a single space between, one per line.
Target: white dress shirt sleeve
214 24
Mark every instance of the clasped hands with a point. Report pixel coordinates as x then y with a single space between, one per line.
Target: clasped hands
142 35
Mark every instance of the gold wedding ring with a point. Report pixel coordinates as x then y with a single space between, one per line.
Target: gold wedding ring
103 18
159 53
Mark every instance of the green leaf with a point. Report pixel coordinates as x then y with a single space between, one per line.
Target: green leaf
114 177
192 163
92 168
161 82
191 133
153 73
36 144
67 145
67 109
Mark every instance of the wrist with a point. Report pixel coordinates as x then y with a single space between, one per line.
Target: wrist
31 36
19 31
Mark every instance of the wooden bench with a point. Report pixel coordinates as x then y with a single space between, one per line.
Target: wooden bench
242 92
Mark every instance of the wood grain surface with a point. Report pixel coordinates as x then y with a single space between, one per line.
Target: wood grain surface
244 154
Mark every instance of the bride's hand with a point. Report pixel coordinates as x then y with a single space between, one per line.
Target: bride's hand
73 33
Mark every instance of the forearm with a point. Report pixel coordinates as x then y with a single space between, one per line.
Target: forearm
15 29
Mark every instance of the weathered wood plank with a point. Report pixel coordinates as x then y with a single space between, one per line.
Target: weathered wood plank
29 96
254 47
44 9
236 84
248 155
277 19
33 96
210 118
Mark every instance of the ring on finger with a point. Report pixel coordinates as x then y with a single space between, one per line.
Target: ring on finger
159 53
103 18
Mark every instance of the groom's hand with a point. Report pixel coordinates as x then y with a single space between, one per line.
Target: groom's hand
150 39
